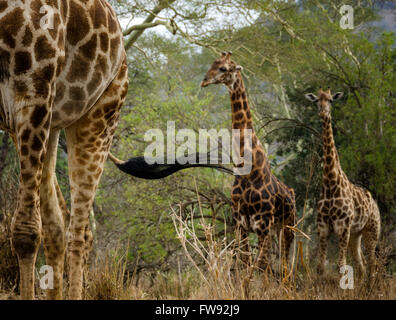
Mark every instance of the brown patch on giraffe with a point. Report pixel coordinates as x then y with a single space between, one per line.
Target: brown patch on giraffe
78 69
23 62
3 6
112 22
10 25
238 116
114 45
88 50
33 161
76 93
42 80
25 135
101 64
27 37
98 126
20 87
95 82
38 115
77 25
236 107
37 144
104 42
24 150
98 15
43 49
60 91
81 162
71 107
97 114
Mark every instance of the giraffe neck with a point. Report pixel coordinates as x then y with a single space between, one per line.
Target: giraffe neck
331 163
242 119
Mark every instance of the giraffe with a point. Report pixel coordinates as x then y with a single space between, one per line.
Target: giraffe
68 74
345 209
259 200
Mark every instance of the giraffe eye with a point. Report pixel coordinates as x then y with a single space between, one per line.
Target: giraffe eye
222 69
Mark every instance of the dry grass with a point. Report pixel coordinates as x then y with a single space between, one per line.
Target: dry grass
9 270
215 272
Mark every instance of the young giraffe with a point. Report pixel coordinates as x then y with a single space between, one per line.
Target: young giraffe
344 208
72 75
259 200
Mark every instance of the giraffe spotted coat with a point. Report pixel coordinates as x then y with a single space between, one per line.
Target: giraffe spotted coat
344 208
260 201
72 75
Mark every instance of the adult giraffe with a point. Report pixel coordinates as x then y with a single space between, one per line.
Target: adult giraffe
344 208
260 202
62 65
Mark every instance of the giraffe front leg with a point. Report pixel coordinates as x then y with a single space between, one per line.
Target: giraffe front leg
343 232
264 239
32 125
323 234
242 238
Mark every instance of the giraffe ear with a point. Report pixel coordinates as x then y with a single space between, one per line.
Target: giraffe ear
311 97
337 95
239 68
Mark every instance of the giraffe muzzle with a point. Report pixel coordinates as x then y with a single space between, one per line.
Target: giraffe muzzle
205 83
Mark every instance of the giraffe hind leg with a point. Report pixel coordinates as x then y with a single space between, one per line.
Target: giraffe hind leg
370 238
52 219
356 250
88 142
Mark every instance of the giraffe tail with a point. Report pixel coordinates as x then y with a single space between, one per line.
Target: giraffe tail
140 168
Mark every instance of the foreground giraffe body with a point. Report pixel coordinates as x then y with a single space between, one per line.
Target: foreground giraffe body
259 200
73 75
344 208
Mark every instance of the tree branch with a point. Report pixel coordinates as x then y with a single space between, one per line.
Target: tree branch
138 30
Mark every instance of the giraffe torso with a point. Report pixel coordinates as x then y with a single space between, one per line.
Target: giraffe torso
342 203
342 206
260 196
75 59
259 199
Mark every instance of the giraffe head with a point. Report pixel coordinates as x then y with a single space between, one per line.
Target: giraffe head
324 100
223 70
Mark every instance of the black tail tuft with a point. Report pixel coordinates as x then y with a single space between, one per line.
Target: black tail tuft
138 167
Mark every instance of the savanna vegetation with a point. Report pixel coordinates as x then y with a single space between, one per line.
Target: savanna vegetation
173 238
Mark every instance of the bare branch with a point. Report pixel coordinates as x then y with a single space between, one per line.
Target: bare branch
147 23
